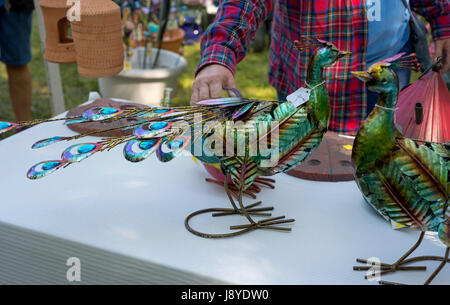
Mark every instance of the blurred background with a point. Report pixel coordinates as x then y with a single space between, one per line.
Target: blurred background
251 74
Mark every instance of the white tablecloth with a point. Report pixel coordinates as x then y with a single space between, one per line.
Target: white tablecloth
137 212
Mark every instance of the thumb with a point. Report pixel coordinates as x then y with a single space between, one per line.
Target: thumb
442 49
230 83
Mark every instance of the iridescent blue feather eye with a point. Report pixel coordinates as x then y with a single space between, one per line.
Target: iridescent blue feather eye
46 142
151 130
74 121
138 150
108 111
169 150
6 126
155 113
175 144
158 125
164 112
101 113
79 152
44 168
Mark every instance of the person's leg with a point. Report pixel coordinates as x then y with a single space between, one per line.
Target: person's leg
16 54
19 82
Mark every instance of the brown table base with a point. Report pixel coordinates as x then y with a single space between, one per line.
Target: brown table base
331 161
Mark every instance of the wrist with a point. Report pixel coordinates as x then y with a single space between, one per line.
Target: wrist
217 54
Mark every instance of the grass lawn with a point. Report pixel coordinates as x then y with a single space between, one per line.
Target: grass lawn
251 78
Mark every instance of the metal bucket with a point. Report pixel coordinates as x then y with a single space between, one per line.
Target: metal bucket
145 85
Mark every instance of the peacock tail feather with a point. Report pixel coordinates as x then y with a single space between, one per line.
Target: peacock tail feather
163 131
292 132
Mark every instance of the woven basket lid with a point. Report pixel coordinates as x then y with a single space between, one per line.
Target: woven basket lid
54 3
98 7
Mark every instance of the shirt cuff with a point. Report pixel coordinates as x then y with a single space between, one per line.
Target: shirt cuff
217 54
441 27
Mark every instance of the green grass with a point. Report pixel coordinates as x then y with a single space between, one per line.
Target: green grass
251 79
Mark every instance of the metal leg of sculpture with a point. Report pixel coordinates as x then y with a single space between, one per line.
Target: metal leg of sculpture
397 266
444 261
251 191
240 211
262 224
247 211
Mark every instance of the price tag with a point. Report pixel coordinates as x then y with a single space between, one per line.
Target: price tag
299 97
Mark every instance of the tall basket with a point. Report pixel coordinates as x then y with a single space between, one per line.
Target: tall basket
98 39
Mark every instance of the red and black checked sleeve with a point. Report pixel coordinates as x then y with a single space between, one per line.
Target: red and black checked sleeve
226 39
437 13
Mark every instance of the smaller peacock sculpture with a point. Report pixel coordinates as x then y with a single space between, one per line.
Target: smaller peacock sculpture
406 180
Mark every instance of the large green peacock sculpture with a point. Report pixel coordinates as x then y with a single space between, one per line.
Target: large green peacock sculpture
248 138
406 180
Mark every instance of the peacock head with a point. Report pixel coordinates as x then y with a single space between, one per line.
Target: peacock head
381 78
326 54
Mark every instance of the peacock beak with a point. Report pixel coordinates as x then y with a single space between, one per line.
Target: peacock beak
363 76
344 53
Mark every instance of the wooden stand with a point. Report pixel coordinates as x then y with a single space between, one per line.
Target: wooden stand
331 161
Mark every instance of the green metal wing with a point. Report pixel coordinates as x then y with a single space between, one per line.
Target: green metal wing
242 170
427 170
298 136
393 195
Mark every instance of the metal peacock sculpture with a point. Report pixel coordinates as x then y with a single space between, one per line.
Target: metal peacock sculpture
406 180
228 131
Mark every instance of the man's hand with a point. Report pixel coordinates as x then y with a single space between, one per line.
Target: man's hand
443 49
210 82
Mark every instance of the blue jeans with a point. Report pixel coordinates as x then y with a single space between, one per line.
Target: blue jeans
15 33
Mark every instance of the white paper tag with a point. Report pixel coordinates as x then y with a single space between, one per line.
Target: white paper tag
300 96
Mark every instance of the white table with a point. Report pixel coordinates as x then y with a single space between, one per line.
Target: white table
125 222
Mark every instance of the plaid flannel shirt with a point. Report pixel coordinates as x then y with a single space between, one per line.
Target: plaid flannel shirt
342 22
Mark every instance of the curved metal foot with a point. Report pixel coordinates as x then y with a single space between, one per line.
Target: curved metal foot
246 211
208 235
397 266
250 210
267 224
401 267
387 268
444 260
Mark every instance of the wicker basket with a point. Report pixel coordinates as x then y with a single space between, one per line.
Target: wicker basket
59 46
172 40
98 39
